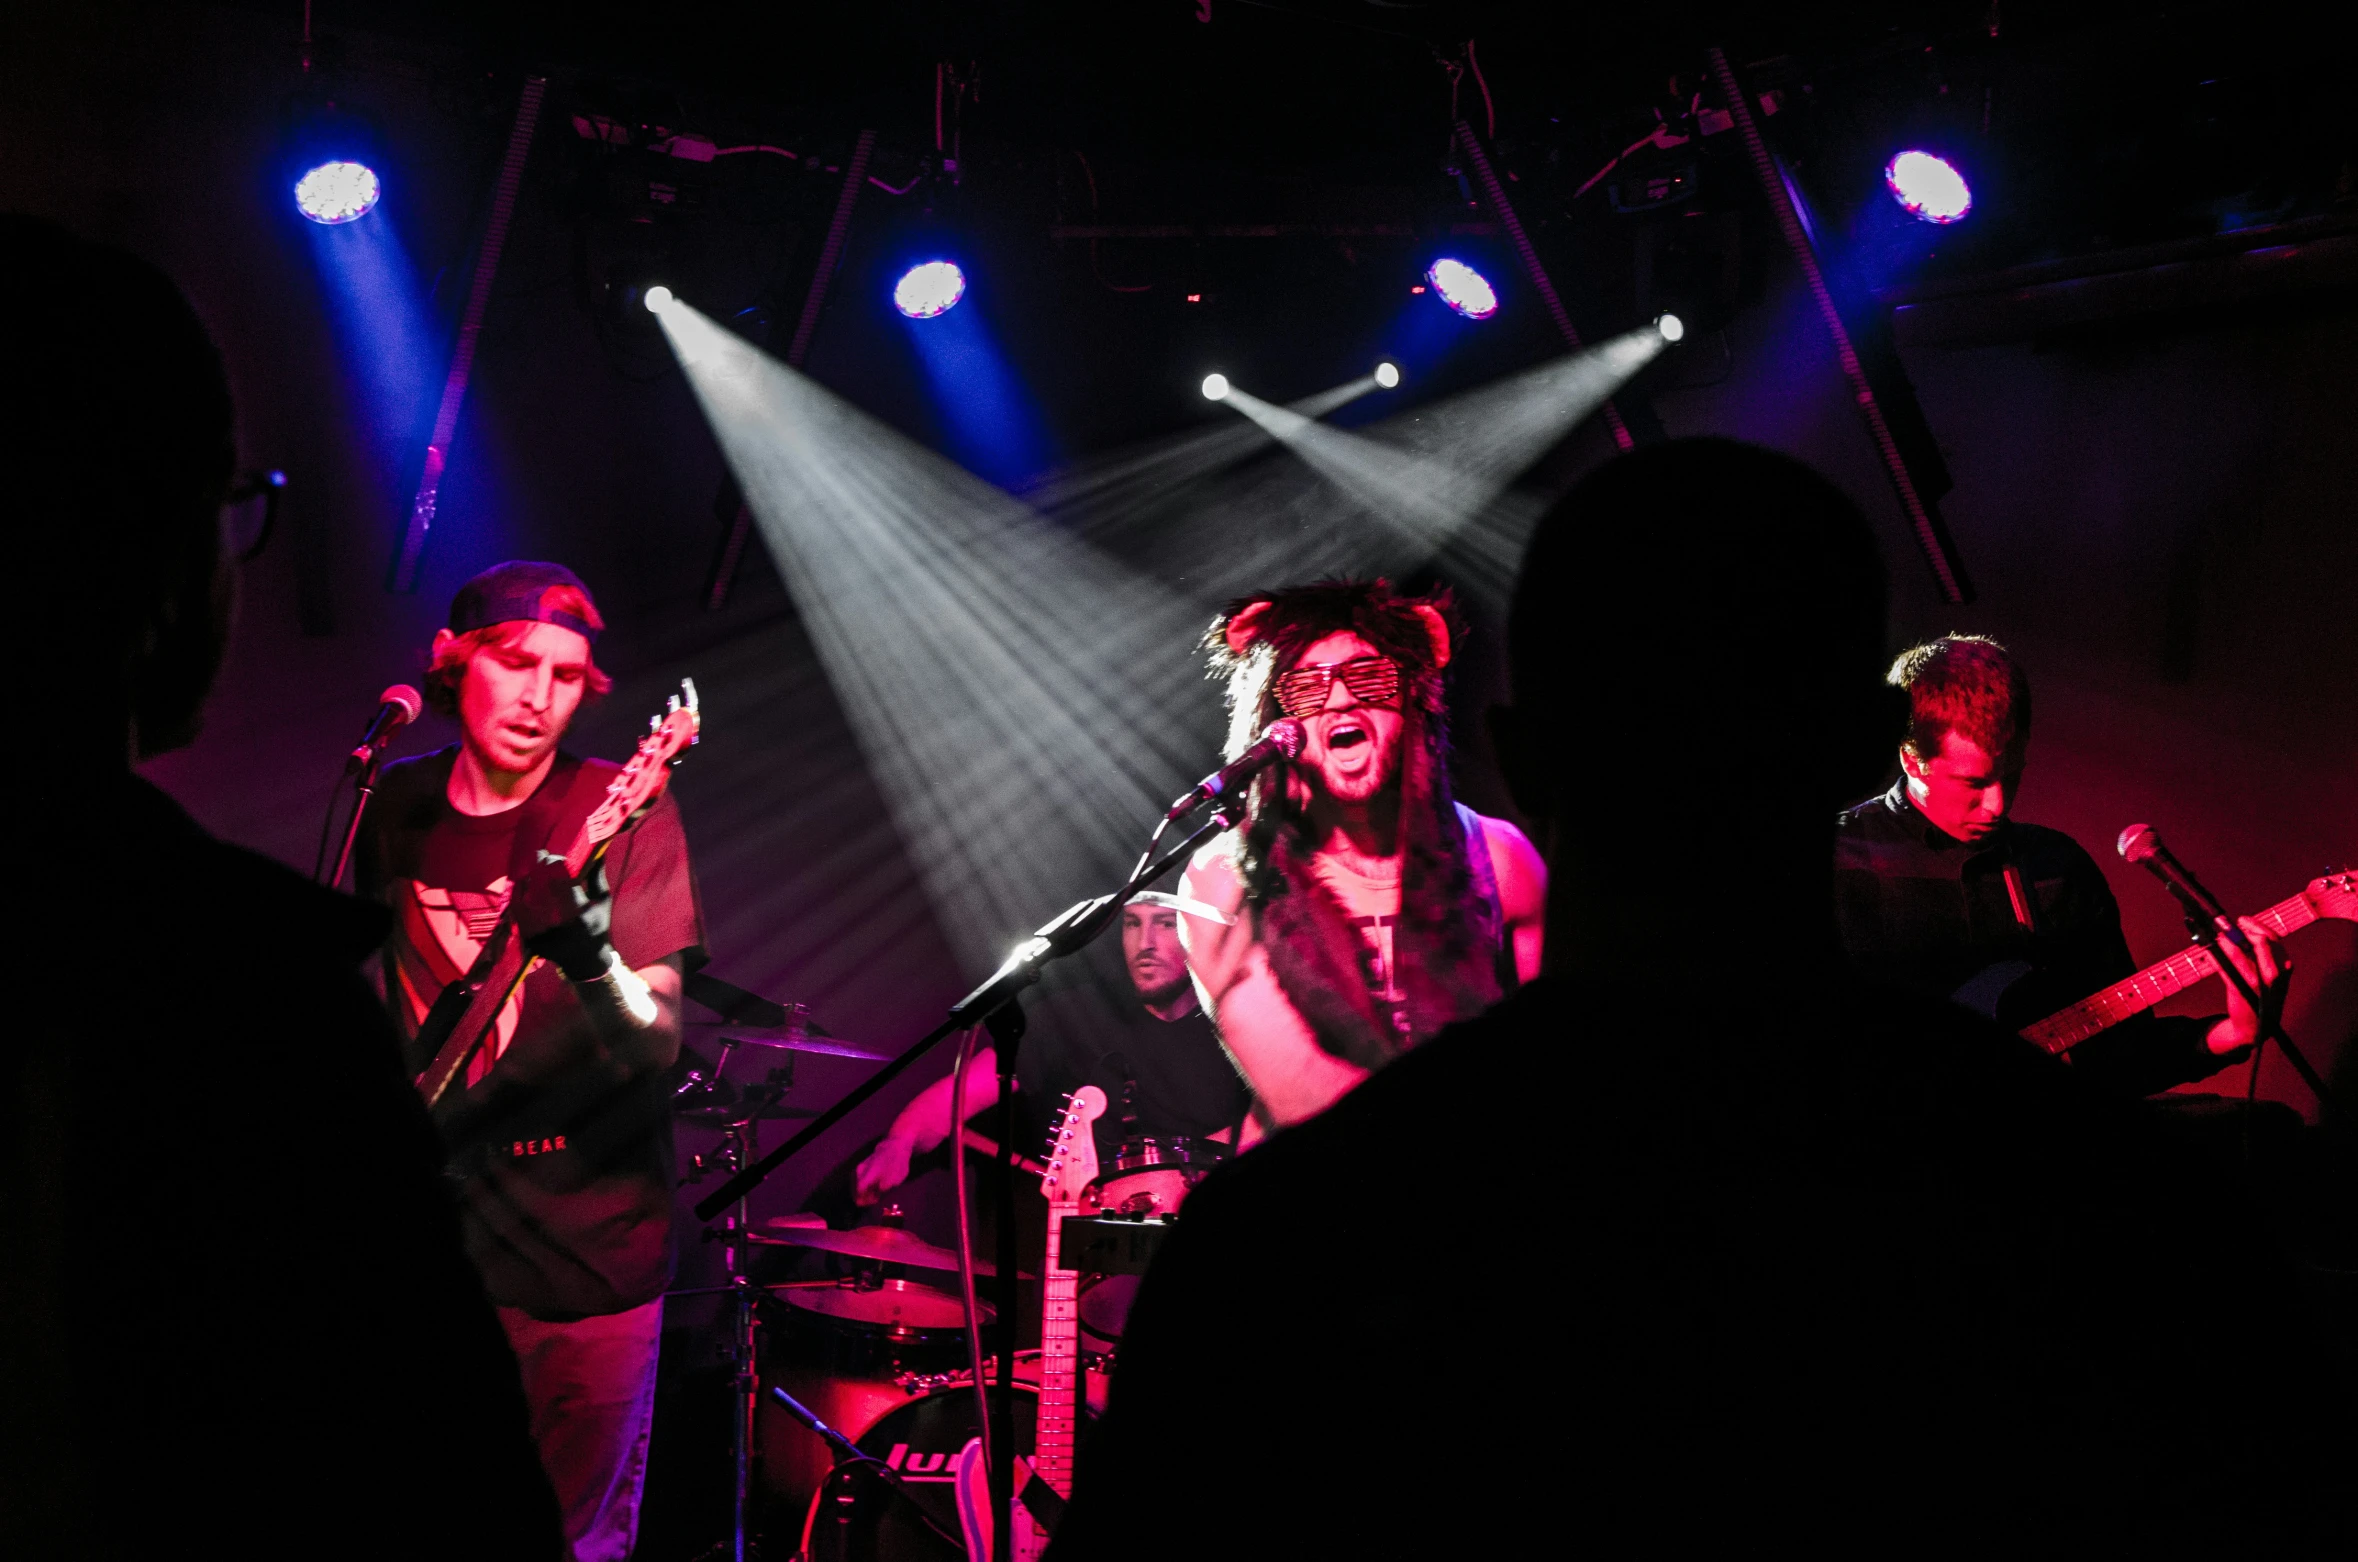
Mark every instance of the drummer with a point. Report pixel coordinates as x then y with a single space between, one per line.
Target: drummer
1163 1071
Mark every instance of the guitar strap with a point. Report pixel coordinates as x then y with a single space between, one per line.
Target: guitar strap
2021 894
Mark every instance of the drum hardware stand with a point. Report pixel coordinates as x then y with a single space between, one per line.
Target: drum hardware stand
736 1149
1071 929
850 1457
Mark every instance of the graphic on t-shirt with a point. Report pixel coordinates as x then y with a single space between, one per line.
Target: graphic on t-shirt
460 921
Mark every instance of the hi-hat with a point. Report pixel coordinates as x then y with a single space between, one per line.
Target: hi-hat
789 1038
876 1244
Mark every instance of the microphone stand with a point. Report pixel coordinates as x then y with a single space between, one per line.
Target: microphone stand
994 1004
2208 927
361 764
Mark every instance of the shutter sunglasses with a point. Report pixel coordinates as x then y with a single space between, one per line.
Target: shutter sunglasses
1371 680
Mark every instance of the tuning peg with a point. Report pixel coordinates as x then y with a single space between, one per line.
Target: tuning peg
654 723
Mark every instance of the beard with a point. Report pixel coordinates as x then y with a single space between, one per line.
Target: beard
1375 778
1163 996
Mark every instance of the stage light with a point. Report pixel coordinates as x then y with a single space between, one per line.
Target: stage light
1215 387
656 297
1387 374
337 192
1463 288
929 288
1673 329
1929 187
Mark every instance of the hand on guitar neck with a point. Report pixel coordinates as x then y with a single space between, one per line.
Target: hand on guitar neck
2264 972
2331 896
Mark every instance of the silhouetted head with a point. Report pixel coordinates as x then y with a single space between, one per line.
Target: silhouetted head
1697 657
116 435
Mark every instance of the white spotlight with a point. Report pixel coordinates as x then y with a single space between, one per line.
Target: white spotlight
1672 328
656 297
1215 387
1387 374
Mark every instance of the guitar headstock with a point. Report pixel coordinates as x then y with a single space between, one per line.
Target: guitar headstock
668 736
1072 1151
2334 894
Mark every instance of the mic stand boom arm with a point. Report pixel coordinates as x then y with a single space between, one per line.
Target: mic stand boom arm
1072 928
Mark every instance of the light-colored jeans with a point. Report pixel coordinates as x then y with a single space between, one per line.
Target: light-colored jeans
591 1387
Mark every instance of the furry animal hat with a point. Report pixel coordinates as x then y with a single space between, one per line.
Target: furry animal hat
1446 943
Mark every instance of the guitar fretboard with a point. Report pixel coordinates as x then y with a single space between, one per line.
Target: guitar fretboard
1060 1396
2067 1028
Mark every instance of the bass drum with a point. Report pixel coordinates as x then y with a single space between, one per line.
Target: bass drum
858 1518
855 1519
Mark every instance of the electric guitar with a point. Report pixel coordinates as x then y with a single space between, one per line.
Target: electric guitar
466 1012
1044 1482
2332 895
1072 1166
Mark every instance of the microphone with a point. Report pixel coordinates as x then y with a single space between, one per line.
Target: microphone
2141 845
1281 739
397 707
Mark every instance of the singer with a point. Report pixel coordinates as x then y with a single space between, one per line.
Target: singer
1366 907
1939 891
561 1141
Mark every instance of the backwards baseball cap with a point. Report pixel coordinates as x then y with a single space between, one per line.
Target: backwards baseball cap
522 589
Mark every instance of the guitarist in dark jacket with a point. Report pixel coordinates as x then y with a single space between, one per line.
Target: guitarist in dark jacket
561 1134
235 1317
1940 893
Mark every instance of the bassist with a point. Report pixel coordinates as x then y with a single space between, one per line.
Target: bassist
559 1128
1939 892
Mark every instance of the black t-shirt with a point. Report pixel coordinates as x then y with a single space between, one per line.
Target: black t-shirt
565 1147
1928 914
1173 1073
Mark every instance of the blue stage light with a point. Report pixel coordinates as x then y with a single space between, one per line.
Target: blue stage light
1463 288
1929 187
337 192
929 288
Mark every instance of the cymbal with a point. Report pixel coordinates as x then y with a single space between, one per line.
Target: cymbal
876 1244
734 1111
786 1038
900 1304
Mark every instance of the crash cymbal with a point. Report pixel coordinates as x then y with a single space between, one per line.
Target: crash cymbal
876 1244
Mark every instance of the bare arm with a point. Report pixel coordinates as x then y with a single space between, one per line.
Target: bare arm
636 1013
1522 892
1291 1076
922 1124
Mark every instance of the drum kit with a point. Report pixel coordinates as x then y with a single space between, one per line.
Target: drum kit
878 1351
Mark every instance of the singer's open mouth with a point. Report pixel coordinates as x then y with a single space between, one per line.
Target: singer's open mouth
1346 735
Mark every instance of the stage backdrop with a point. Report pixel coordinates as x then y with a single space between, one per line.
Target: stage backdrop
2161 525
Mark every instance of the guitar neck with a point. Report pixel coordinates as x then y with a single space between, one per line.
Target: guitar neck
2067 1028
1060 1359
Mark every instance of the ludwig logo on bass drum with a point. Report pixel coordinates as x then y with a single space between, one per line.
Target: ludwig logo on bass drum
919 1466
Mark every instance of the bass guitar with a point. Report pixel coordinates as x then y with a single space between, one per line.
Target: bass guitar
2329 896
466 1012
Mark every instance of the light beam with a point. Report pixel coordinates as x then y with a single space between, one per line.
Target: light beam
1027 703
